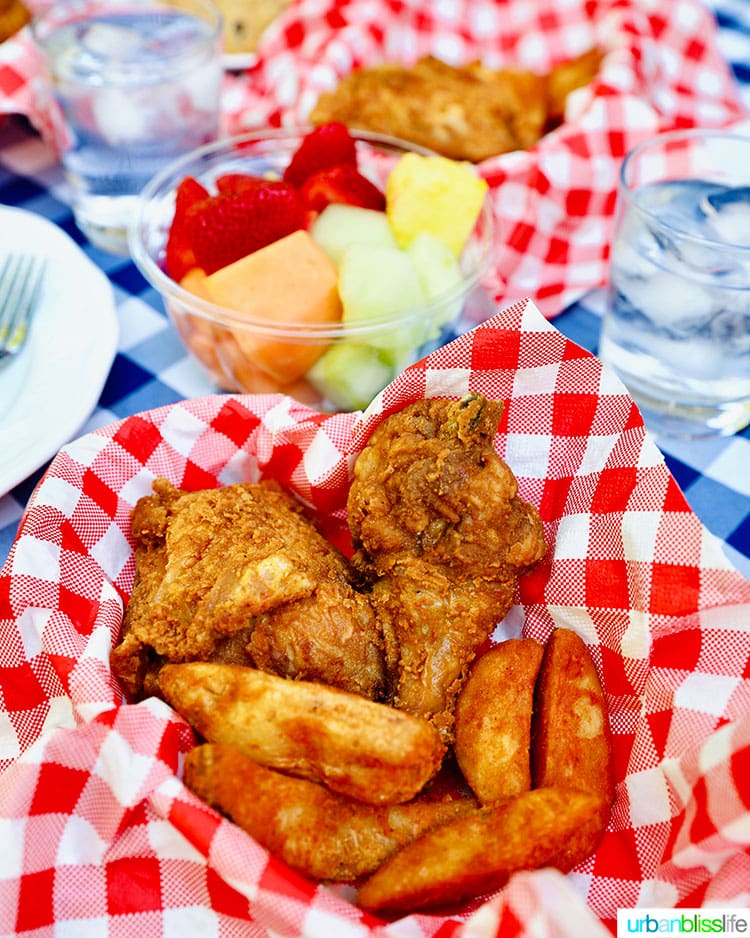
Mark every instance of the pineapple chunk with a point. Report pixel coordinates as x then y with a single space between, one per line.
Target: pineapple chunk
435 194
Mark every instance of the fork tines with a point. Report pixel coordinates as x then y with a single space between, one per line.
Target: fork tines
20 282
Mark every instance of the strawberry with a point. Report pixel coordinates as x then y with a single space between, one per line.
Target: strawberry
330 144
341 184
236 182
179 257
230 225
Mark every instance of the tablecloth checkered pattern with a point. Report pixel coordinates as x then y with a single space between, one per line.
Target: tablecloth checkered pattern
100 825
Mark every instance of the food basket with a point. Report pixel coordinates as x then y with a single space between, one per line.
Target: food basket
101 837
554 203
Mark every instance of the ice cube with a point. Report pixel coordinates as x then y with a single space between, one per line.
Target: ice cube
731 329
202 86
727 213
108 40
678 305
691 358
121 118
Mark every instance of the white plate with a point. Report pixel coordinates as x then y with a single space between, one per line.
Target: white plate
50 388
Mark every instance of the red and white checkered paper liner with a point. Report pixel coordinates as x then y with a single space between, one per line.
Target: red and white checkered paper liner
554 203
99 836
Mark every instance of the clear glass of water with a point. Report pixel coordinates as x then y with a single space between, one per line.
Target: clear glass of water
138 83
677 324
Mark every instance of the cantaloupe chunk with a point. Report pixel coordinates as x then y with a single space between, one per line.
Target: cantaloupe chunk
288 281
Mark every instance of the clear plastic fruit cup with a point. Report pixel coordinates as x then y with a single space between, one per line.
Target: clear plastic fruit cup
328 365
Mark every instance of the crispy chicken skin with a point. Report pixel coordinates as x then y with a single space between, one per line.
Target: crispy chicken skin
442 535
240 575
468 112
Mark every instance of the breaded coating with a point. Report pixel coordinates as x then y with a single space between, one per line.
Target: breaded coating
320 834
357 747
443 536
465 112
214 566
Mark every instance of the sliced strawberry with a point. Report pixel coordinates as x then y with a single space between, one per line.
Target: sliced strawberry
179 256
230 225
330 144
237 182
341 184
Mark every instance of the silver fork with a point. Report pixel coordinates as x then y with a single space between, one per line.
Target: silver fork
20 281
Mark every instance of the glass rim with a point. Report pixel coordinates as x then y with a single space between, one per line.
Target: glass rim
51 16
627 193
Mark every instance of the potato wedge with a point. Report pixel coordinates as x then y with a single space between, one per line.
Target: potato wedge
571 744
320 834
359 748
477 853
493 720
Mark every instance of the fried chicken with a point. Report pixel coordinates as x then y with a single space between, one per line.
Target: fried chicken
442 536
240 575
466 113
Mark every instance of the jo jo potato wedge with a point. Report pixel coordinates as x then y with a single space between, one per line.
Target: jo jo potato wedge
477 853
493 720
571 743
366 750
320 834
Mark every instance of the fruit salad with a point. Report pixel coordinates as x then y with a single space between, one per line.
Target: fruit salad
318 244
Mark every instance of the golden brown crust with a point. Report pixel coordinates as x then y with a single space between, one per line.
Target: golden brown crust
478 853
571 737
14 15
493 720
320 834
241 574
466 113
357 747
442 534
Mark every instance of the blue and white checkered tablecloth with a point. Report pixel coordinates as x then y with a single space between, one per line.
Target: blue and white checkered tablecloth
151 367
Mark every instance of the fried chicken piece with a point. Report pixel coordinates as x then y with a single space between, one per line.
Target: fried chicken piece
465 112
567 77
218 569
442 535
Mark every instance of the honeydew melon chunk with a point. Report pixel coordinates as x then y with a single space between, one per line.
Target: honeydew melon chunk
350 374
436 194
439 273
376 282
339 226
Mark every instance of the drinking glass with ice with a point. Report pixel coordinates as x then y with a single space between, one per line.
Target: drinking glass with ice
138 83
677 325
